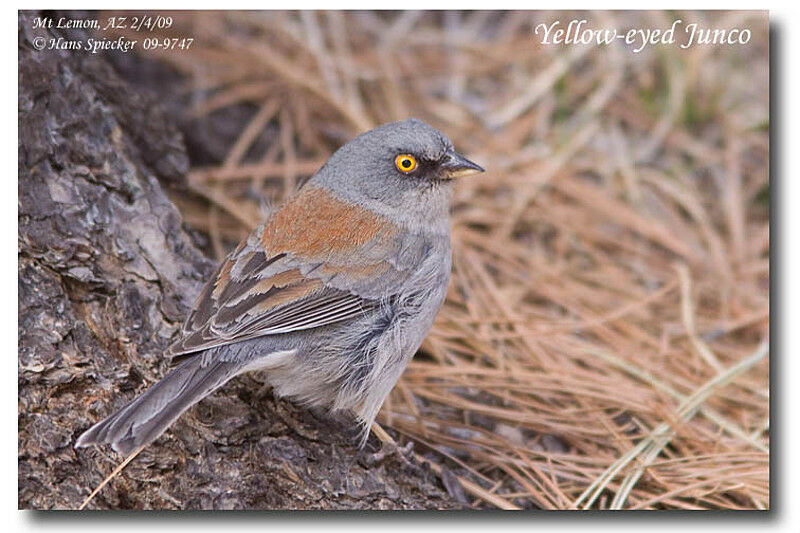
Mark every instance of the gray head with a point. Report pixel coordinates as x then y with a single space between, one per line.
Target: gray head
400 169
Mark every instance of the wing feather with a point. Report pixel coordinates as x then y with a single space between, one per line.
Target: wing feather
233 308
282 280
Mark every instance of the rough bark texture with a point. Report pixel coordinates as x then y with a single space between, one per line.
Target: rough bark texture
106 274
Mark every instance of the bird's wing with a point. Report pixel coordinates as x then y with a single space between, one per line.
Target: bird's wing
283 279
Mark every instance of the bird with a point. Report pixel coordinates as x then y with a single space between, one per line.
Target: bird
330 297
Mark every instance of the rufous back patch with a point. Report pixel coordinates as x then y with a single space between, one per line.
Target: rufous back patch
316 225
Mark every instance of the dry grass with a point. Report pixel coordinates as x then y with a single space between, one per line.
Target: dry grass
604 341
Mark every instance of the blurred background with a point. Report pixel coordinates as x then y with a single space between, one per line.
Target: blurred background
604 343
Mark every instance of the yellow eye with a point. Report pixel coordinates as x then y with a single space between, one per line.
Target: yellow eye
405 163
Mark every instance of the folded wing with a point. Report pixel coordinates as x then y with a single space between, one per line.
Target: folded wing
282 280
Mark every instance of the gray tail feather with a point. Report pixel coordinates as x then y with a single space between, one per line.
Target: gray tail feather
148 416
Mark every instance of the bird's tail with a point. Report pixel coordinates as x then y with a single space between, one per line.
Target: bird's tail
148 416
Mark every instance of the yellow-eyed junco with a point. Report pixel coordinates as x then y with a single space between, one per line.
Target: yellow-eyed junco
331 295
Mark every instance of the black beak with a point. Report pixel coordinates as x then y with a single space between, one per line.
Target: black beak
454 165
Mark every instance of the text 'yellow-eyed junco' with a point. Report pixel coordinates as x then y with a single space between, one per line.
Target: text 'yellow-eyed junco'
331 295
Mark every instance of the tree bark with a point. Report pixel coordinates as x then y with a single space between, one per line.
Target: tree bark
106 275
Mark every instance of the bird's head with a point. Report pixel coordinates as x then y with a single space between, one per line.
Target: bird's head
400 166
